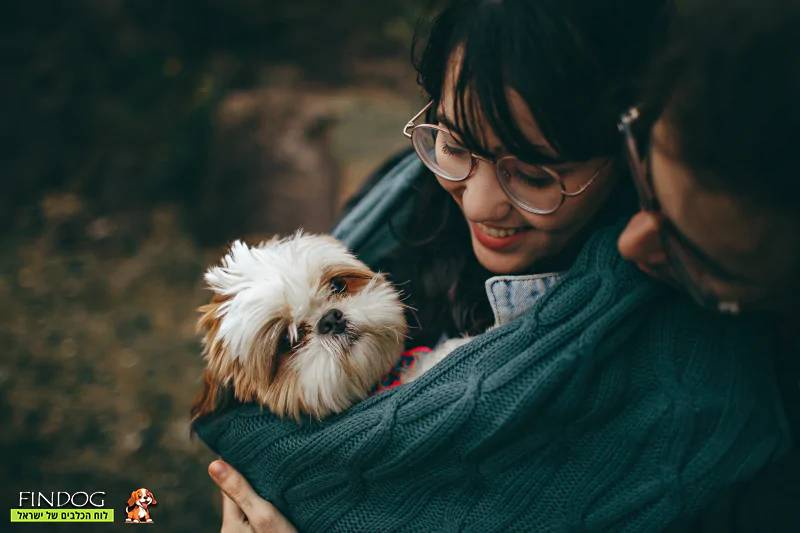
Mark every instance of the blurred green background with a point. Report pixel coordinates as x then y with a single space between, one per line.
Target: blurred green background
139 137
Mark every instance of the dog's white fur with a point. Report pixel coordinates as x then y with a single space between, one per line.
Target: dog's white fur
282 289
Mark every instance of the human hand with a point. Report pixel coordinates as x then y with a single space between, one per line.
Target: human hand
244 511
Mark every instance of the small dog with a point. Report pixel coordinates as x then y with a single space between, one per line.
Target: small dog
138 504
299 325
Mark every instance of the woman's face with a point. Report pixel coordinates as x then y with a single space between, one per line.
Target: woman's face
507 239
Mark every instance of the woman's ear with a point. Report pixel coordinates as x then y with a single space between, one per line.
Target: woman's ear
640 241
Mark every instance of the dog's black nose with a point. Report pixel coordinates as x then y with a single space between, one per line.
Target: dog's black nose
332 322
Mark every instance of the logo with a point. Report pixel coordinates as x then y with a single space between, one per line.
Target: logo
62 507
138 509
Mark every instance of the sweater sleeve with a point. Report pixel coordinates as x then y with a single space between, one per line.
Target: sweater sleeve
767 502
610 406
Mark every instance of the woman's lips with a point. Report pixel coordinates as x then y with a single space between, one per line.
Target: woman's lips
497 238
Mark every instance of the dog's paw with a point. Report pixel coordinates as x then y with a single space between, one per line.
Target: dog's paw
429 360
449 345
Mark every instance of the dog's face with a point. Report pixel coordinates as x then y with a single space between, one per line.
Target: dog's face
142 498
299 325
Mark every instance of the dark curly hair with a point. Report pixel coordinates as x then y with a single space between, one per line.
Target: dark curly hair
574 63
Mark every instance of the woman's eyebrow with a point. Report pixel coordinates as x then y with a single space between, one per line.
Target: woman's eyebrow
544 155
449 124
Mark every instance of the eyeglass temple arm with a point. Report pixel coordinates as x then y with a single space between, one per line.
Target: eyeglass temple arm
586 185
624 125
628 118
410 124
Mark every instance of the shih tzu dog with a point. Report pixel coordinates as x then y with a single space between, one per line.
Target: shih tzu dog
301 326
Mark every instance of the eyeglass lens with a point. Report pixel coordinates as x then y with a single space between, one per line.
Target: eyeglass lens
532 185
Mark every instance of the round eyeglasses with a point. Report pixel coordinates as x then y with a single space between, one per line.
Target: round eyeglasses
534 188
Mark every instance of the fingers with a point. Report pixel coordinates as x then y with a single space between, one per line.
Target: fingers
234 486
233 519
240 501
231 513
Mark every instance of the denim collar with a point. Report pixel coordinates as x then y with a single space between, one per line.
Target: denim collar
511 296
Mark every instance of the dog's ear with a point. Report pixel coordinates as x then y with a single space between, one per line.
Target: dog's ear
153 496
214 394
208 325
213 397
209 321
132 499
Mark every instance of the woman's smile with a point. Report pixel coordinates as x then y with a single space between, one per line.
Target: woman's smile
498 238
499 232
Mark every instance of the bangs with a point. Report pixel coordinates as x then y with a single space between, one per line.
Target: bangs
534 49
481 104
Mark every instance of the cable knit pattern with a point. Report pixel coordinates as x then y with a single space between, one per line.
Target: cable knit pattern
611 405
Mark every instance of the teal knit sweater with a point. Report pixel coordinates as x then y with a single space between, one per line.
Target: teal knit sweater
611 405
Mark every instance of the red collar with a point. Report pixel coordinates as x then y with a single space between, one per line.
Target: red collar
406 362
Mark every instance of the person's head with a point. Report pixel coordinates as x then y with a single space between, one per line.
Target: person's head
719 159
542 81
536 86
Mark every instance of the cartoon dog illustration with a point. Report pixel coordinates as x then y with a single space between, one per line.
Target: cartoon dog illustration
138 505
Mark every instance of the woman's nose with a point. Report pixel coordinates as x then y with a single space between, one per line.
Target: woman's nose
482 197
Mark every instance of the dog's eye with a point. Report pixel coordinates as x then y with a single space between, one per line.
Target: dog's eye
285 342
338 285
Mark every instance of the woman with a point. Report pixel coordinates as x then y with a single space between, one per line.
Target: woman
604 401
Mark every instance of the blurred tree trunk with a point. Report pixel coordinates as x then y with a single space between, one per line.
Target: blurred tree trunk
271 168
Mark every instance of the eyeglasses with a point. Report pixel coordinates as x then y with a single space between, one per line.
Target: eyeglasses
688 264
534 188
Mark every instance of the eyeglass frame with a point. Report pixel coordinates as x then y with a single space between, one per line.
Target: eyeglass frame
670 236
475 157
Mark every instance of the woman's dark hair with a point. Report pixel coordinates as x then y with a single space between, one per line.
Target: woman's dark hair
728 83
574 63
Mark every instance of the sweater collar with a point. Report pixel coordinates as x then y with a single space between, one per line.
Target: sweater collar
511 296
